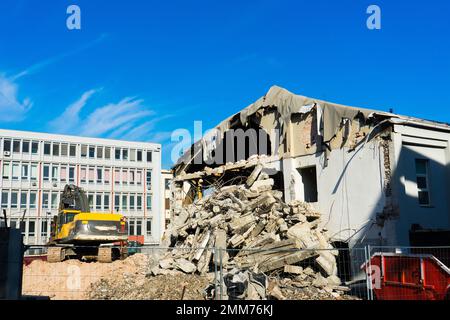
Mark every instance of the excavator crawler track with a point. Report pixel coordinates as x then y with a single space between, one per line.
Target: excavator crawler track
105 255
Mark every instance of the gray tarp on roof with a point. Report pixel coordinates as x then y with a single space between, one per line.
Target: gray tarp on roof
287 104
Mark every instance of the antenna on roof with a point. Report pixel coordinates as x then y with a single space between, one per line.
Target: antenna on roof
391 110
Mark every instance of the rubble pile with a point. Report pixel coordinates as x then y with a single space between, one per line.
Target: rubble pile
176 286
252 229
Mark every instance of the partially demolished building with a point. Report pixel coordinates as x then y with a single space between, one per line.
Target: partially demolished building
373 176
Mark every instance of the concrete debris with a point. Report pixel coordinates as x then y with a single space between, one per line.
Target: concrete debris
293 269
249 230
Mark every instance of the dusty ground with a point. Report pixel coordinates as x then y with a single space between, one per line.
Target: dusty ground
72 279
124 280
161 287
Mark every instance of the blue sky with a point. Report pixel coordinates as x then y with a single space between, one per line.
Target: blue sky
140 69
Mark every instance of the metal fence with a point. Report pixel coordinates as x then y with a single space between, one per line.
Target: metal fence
384 273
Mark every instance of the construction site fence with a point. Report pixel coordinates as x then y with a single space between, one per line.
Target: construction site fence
369 273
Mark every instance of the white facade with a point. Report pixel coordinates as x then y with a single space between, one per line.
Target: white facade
119 176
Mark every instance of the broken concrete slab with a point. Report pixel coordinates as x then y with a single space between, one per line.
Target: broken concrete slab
185 265
293 269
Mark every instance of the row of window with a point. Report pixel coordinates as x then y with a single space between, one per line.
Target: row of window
42 226
67 173
71 150
99 201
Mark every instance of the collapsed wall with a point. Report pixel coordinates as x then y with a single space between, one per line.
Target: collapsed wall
249 231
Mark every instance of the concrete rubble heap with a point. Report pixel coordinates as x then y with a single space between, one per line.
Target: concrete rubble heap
253 230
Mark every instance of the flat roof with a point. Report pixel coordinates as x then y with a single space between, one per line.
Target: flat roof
78 139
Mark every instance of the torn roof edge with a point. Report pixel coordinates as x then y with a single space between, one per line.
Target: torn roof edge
288 103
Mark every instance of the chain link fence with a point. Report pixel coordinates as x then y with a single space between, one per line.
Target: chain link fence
155 273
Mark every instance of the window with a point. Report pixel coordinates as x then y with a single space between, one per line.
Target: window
33 172
124 202
25 171
149 179
99 152
22 227
83 151
5 198
54 200
91 201
15 171
149 201
98 202
7 145
99 175
34 147
139 177
149 156
44 228
116 203
167 184
124 154
167 203
71 174
133 155
45 202
132 173
83 174
56 149
73 150
149 227
139 202
16 146
107 176
47 147
139 155
14 199
55 171
106 202
131 227
23 200
117 176
117 154
309 179
132 203
6 170
63 175
26 146
107 153
33 200
138 227
91 152
91 175
124 176
64 150
31 228
423 182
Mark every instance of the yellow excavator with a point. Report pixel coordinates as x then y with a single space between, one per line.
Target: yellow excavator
78 233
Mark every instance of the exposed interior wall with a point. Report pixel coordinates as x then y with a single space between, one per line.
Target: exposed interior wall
350 191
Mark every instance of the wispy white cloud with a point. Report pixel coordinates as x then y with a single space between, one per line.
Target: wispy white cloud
11 108
128 119
70 118
44 63
113 116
